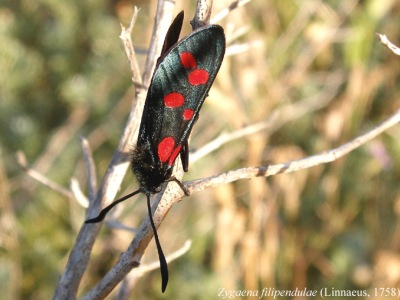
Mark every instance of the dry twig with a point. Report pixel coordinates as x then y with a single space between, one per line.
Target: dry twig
385 41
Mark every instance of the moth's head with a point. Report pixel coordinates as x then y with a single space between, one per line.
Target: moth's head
151 178
150 173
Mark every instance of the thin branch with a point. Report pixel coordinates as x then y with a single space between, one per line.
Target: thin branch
202 15
115 224
223 13
125 36
21 158
74 193
385 41
145 268
296 165
78 194
244 47
162 20
225 138
130 281
90 168
61 137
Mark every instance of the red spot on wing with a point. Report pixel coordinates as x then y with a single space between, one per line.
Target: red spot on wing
165 148
188 114
198 77
174 155
174 100
188 61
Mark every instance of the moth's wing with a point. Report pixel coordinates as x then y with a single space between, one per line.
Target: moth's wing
209 57
172 36
178 89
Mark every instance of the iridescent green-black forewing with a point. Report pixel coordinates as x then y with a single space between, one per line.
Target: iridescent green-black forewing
180 84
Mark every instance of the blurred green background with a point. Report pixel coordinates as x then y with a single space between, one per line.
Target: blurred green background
64 74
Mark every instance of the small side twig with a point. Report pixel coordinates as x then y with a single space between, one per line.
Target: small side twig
22 161
125 36
145 268
129 282
90 168
223 13
78 194
385 41
163 18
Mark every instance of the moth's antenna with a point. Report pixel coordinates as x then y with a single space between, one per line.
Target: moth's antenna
105 210
161 256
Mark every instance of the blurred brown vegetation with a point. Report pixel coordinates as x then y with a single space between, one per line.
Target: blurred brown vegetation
64 74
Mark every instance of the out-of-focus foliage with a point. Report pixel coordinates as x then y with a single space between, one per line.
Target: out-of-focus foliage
63 74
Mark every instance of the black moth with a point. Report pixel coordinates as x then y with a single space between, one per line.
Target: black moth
182 78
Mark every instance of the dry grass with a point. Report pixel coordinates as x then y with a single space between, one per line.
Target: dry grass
318 70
